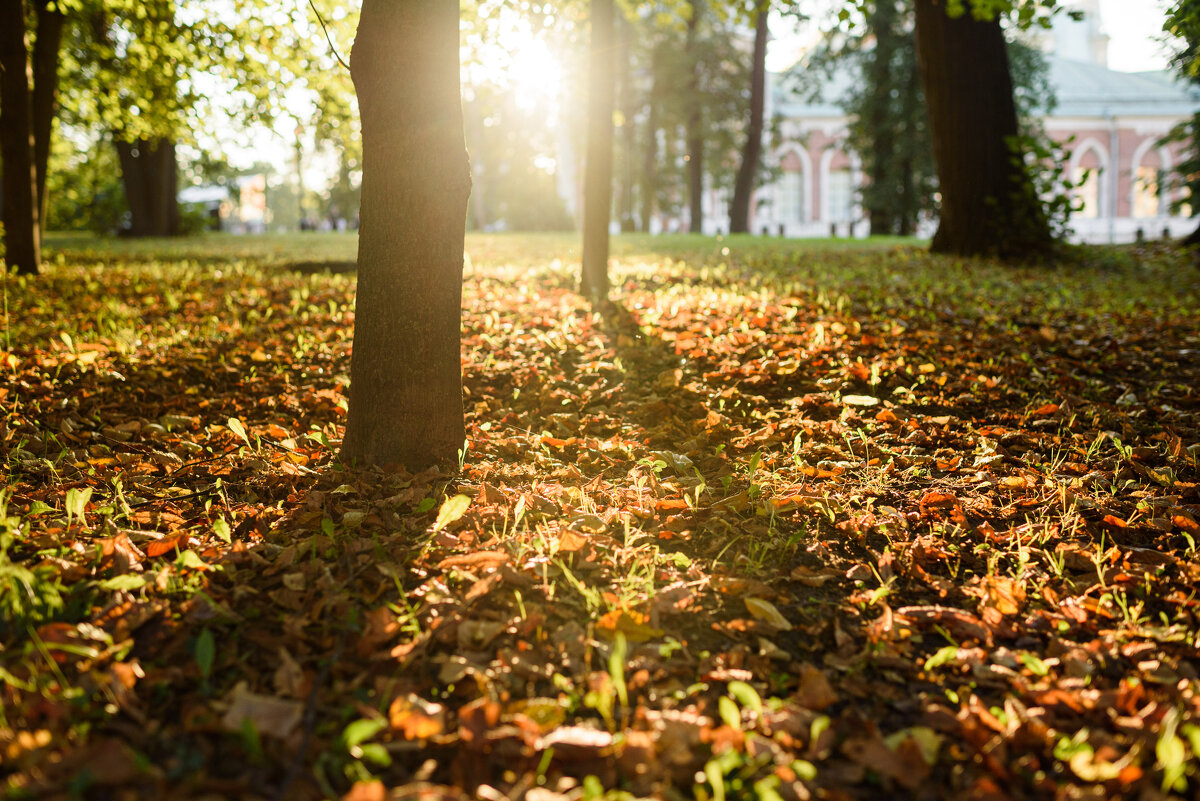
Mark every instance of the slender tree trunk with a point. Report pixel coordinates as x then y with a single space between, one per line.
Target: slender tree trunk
650 164
151 179
988 205
597 180
879 196
22 240
45 95
695 127
743 187
625 91
406 404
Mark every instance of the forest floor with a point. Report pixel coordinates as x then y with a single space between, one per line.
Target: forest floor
791 522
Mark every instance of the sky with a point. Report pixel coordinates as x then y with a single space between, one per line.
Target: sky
1134 26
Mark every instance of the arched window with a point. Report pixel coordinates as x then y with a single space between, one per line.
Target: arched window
1088 166
790 197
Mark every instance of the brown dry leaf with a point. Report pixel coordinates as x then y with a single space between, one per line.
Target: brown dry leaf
768 613
474 561
634 625
289 678
873 753
381 626
272 716
572 541
415 718
1005 595
373 790
815 691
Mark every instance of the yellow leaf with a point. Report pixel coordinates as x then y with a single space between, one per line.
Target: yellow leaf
766 612
452 509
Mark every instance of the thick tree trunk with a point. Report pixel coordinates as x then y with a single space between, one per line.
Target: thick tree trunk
597 179
406 404
695 127
151 180
21 230
45 95
988 206
743 187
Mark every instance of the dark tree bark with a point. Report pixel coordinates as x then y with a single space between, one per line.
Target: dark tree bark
695 127
151 180
21 230
881 22
406 404
988 205
45 95
743 187
597 179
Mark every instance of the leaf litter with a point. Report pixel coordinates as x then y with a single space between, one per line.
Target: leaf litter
781 524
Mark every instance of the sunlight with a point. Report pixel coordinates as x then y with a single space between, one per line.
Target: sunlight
514 58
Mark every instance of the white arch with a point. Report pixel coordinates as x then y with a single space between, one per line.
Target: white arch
1164 157
855 181
1106 205
805 177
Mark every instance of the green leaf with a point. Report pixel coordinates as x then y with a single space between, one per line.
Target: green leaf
746 696
221 529
127 583
376 753
190 559
206 652
729 712
76 503
452 509
360 731
1035 665
40 508
235 425
712 770
944 656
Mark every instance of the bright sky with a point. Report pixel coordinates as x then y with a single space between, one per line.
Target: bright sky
1134 28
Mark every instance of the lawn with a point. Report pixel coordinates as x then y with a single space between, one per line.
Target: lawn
797 520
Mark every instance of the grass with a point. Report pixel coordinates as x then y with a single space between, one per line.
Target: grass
799 518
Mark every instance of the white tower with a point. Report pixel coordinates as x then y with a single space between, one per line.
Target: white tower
1083 39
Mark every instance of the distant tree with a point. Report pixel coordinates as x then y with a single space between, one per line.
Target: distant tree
405 403
695 119
888 126
598 178
989 205
747 174
1182 25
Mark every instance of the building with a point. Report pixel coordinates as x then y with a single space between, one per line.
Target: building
1114 122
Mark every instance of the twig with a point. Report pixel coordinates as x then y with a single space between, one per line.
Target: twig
332 46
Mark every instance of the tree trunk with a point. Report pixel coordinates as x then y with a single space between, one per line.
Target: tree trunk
625 90
695 128
45 95
988 205
406 404
23 242
151 179
882 153
597 180
650 163
743 187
